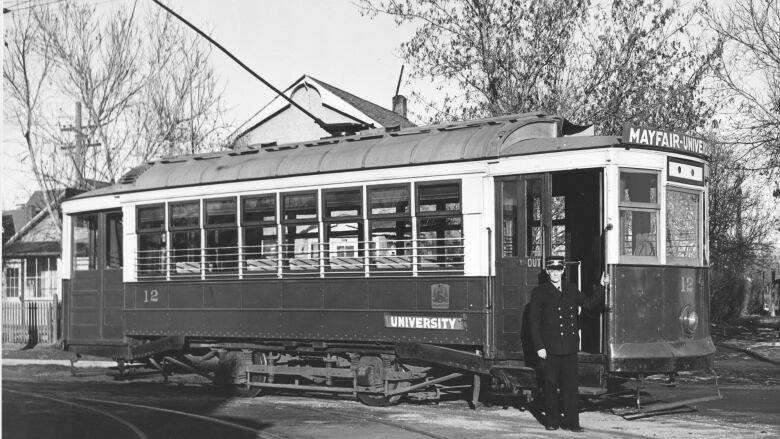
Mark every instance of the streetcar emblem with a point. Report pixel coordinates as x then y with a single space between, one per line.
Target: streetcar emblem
440 296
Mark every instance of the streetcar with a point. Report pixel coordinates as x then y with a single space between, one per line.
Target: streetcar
396 263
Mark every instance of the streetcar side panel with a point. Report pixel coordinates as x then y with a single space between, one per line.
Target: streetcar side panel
384 310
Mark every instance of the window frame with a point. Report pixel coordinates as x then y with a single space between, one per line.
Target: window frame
417 203
173 270
328 221
173 204
640 206
677 260
243 222
138 228
207 226
441 256
285 223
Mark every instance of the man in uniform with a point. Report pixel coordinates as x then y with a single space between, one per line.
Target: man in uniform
554 327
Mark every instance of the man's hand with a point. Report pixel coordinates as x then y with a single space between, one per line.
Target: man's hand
604 279
542 353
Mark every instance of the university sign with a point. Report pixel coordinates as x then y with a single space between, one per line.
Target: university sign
663 139
424 322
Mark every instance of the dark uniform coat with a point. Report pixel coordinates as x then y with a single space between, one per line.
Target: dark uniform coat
553 316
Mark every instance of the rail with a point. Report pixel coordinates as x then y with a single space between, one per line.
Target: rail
340 256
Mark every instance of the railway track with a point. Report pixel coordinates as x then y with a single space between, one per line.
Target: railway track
93 405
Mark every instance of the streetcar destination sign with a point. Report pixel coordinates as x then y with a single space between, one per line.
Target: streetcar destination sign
422 322
663 139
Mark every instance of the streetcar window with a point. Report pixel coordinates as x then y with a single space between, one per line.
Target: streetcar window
261 240
151 218
344 246
185 215
258 210
301 250
533 206
682 224
439 226
301 206
114 240
220 212
391 244
343 234
85 238
639 213
438 197
301 247
221 236
509 209
388 200
261 247
151 255
390 227
342 202
185 238
558 232
151 258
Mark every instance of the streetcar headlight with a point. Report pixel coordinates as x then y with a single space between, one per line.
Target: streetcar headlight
689 320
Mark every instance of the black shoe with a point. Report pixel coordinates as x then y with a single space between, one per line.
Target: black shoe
550 427
575 429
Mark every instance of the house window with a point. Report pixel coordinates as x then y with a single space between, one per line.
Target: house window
151 241
439 226
300 225
343 222
390 227
261 241
41 278
185 238
85 239
221 236
683 223
12 278
639 209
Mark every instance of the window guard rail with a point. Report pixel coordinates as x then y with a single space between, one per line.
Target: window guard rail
392 256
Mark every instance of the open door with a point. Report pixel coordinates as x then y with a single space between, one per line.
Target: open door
539 215
521 205
96 296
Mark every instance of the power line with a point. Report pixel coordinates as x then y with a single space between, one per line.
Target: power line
33 5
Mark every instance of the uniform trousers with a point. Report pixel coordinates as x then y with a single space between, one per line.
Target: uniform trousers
560 371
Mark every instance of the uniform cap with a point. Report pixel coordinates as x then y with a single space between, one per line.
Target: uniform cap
554 262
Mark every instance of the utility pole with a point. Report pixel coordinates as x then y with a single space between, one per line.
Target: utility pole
77 151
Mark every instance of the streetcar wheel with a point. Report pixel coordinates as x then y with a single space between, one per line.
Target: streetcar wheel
373 376
230 375
373 400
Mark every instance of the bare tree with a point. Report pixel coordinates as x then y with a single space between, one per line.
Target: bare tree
27 71
751 71
606 63
145 84
740 229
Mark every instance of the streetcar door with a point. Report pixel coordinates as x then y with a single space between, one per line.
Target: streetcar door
521 204
96 298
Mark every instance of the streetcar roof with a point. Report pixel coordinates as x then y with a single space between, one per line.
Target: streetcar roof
481 139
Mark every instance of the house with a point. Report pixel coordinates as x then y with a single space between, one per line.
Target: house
31 254
278 121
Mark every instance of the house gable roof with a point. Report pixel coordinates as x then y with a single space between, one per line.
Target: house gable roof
334 98
383 116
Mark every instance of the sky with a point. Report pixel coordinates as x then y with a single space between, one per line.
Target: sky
280 40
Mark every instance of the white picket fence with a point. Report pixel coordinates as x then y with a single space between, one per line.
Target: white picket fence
31 321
